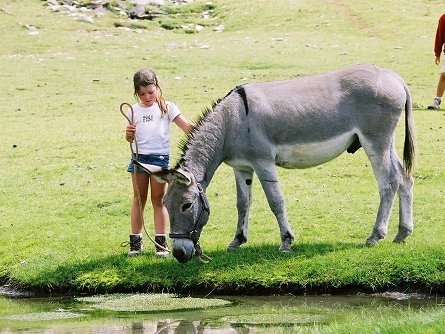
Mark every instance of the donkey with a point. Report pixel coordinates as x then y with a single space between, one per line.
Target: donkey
297 123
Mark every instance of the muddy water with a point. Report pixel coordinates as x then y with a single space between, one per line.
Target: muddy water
145 313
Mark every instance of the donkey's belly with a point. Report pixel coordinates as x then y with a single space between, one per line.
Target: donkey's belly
305 155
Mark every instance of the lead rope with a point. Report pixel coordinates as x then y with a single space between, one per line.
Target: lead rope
134 156
200 254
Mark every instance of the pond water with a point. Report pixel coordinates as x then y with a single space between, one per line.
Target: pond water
165 313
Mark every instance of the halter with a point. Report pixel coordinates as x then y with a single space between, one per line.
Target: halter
194 234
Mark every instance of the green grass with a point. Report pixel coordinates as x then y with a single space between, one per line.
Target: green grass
65 194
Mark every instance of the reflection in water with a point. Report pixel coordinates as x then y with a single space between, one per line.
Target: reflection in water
245 315
184 327
137 327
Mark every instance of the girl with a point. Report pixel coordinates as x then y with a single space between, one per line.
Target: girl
151 131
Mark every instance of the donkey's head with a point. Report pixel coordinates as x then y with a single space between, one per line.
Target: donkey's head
188 210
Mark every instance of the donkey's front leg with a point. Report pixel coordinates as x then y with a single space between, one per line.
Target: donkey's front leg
269 182
243 203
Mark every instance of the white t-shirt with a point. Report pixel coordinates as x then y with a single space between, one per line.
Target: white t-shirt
152 129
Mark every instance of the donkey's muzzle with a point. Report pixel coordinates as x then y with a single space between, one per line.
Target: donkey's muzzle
183 249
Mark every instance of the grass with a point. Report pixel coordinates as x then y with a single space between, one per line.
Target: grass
65 195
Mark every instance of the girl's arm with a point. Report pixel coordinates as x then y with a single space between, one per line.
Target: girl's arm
183 123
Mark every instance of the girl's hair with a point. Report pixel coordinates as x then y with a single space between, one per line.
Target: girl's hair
145 77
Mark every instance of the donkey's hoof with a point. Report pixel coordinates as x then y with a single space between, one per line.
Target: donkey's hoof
235 244
371 241
401 235
375 237
286 247
287 239
400 238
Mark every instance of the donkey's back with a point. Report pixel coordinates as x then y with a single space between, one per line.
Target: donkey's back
304 122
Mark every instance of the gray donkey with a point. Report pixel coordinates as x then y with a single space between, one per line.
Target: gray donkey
297 123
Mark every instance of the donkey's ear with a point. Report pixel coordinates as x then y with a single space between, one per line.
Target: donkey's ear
182 176
163 176
168 175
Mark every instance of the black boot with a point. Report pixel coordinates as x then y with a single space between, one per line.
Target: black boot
135 245
161 240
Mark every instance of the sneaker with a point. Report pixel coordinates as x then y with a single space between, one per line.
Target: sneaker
135 245
436 103
161 240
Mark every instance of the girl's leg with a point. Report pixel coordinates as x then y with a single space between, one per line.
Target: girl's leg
143 180
441 85
160 214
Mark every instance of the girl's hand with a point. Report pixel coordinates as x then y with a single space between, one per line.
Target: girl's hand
130 131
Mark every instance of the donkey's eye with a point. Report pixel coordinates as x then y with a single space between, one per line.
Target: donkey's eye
186 206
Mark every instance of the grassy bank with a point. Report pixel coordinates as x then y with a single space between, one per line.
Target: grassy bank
65 194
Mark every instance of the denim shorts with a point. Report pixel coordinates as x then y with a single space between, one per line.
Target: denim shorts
152 159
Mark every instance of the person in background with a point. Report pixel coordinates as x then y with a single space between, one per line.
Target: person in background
438 49
151 130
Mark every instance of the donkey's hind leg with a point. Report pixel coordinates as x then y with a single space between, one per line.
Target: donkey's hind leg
405 206
243 203
388 179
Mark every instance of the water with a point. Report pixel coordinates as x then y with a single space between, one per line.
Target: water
150 313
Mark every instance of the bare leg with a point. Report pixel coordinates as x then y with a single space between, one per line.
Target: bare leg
160 215
441 85
142 180
243 203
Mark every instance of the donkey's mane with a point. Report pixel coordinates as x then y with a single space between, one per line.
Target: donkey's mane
184 143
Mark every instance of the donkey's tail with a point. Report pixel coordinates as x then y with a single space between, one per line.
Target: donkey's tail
409 148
